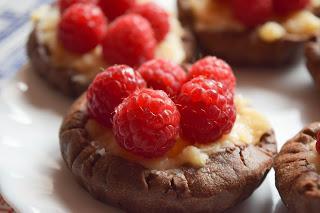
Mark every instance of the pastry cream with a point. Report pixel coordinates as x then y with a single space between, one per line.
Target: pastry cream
217 16
248 129
46 19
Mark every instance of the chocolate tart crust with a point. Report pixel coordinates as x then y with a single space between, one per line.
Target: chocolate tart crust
228 177
61 78
296 179
242 48
312 53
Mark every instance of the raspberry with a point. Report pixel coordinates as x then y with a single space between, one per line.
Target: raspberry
81 28
64 4
157 16
129 40
207 110
318 143
252 12
114 8
108 90
146 123
163 75
214 68
285 7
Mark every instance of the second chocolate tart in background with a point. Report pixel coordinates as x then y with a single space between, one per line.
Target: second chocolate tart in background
246 32
71 72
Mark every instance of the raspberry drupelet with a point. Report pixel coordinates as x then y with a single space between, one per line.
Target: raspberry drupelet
147 123
64 4
129 40
163 75
115 8
214 68
157 16
207 110
252 12
81 28
108 90
285 7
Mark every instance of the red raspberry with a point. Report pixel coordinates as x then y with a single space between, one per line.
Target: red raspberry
108 90
285 7
252 12
318 143
207 110
157 16
81 28
163 75
64 4
129 40
147 123
214 68
114 8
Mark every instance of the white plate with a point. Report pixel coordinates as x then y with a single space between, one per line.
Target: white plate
33 177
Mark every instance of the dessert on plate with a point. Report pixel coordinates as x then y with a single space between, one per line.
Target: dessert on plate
73 40
251 32
297 169
154 139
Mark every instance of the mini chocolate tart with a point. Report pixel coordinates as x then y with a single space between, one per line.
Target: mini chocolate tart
244 47
297 171
228 176
312 52
72 80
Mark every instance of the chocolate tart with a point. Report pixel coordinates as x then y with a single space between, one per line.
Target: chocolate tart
242 48
297 180
312 52
62 78
227 178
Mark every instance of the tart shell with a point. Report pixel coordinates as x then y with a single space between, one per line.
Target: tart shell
228 177
242 48
61 78
312 52
296 179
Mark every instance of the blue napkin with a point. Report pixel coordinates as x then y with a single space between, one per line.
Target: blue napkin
15 27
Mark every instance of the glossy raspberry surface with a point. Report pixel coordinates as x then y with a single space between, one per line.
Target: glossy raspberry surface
64 4
252 12
108 90
157 16
214 68
207 110
81 28
129 40
163 75
115 8
146 123
284 7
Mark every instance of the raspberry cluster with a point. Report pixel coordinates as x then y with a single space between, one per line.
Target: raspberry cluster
197 106
128 32
254 12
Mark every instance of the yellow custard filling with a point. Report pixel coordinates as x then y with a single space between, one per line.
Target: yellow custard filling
218 17
248 129
46 19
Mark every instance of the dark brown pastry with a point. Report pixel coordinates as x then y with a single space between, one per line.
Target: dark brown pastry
312 52
228 177
62 78
242 48
297 180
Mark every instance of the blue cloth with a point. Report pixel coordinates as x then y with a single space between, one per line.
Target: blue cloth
15 27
